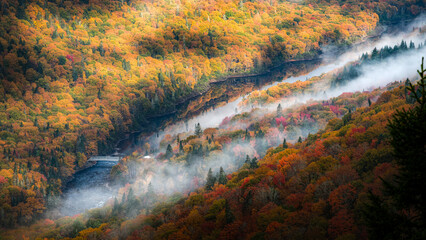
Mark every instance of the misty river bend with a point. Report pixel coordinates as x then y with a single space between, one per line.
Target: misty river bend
79 196
91 187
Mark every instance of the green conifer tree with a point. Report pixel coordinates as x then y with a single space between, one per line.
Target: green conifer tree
253 163
285 145
401 212
279 110
222 177
169 152
210 180
198 130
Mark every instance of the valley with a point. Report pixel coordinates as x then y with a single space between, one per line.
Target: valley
228 119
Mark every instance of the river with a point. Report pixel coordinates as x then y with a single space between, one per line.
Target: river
78 195
91 187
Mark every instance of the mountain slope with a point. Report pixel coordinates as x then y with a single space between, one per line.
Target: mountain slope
76 75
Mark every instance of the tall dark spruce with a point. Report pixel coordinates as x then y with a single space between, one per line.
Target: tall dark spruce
401 212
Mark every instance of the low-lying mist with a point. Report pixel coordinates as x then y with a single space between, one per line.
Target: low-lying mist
167 177
374 75
212 118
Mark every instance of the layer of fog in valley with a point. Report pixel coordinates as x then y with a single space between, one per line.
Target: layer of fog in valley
169 177
212 118
90 188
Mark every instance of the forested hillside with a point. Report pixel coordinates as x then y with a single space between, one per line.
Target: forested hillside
391 11
76 75
311 186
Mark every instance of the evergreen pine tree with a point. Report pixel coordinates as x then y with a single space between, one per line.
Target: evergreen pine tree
198 130
210 180
169 151
247 159
401 212
222 177
253 163
285 145
279 110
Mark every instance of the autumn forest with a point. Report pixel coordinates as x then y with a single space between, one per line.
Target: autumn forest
215 119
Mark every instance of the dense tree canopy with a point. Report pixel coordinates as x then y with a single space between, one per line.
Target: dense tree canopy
76 75
315 188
